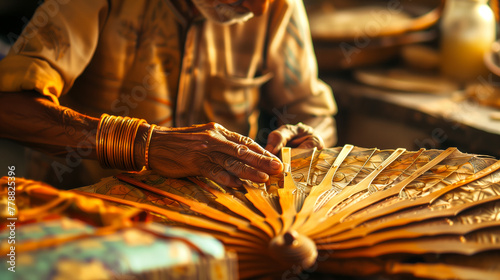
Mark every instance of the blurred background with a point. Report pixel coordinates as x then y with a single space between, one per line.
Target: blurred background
412 74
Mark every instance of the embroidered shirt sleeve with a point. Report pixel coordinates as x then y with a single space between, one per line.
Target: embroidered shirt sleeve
54 48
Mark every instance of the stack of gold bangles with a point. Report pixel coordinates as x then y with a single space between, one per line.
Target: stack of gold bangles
115 141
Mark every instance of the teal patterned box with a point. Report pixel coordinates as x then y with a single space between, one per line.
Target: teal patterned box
66 248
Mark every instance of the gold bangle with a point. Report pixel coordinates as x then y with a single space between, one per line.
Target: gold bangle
132 142
148 141
111 149
124 151
115 139
100 140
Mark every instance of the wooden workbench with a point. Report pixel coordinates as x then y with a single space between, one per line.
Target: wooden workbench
376 117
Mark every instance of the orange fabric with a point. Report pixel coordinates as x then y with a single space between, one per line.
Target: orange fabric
38 201
20 73
54 48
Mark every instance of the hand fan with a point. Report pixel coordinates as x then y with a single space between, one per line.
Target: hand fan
341 211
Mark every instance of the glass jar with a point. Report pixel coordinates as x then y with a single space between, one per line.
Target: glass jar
468 28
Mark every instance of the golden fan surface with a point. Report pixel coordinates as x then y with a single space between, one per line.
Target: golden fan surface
341 211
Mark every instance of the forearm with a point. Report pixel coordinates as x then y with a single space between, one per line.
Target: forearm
37 122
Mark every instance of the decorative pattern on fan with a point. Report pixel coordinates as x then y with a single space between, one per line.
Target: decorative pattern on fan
342 211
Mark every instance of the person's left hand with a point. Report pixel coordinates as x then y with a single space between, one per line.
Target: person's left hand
294 136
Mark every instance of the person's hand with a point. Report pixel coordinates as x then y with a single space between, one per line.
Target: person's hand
211 151
294 136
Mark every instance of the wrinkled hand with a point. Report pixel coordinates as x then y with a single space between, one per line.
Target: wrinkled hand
211 151
294 136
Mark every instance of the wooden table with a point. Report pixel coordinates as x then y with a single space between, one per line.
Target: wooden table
374 117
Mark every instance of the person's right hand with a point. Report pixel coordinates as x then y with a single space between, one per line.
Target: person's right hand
211 151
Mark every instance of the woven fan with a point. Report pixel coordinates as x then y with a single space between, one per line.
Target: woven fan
341 211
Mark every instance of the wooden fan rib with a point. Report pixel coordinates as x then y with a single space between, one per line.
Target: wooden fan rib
327 228
228 201
309 171
324 186
287 218
255 219
362 231
408 232
326 183
396 189
272 217
402 170
484 172
415 247
325 197
172 215
301 193
242 240
429 199
412 215
195 206
361 186
469 244
286 198
231 243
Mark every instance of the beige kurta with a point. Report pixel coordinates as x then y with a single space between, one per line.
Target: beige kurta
146 59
